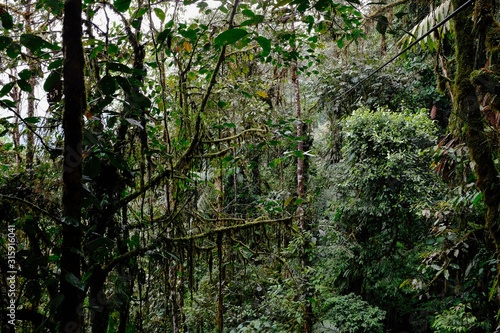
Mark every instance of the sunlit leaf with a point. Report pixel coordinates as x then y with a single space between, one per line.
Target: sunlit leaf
160 14
262 94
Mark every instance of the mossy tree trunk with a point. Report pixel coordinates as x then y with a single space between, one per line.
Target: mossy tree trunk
69 313
472 54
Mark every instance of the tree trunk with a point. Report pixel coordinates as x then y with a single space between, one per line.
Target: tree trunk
471 53
303 225
69 312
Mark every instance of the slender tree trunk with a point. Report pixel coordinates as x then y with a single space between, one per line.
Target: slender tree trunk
30 137
301 192
69 313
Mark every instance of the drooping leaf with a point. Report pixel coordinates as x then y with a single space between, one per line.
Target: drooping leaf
32 120
24 85
134 122
74 281
230 36
7 88
160 14
52 80
265 44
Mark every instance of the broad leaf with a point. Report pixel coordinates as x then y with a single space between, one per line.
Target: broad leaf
230 36
52 80
4 42
74 281
122 5
265 44
7 20
7 88
160 14
13 50
35 43
24 85
108 85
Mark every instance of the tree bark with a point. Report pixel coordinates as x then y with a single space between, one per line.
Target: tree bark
301 193
471 54
69 313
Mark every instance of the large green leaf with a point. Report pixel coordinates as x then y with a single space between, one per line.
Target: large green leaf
7 20
74 281
35 43
4 42
13 50
230 36
122 5
52 80
7 88
24 85
160 14
108 85
265 44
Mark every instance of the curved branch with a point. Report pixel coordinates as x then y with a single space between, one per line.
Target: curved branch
229 138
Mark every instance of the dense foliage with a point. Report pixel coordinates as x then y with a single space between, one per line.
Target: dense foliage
240 166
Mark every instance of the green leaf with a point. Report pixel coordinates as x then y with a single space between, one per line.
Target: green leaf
13 50
340 43
35 43
55 64
52 80
108 85
122 5
230 36
74 281
25 74
7 88
7 103
265 44
253 21
7 20
32 120
24 85
160 14
4 42
117 67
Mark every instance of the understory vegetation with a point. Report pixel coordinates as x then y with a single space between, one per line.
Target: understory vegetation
249 166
